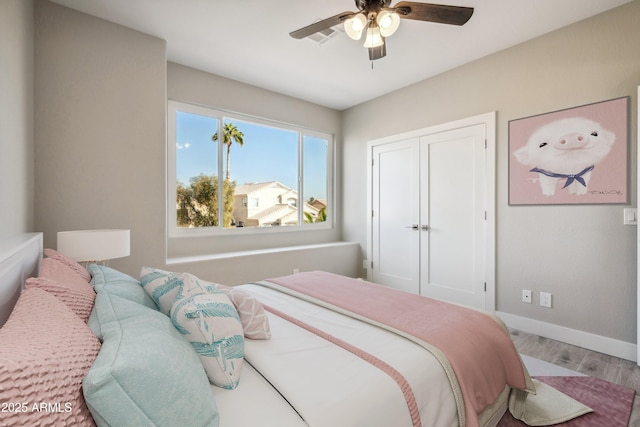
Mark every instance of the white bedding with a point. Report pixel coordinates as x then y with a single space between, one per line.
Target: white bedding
254 403
326 384
330 386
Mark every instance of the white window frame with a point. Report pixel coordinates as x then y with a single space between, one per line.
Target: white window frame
175 231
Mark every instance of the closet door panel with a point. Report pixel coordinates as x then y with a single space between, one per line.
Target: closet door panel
395 215
453 183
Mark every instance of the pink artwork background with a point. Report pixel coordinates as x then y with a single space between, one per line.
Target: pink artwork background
608 182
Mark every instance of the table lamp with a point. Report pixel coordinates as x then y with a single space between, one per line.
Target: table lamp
94 246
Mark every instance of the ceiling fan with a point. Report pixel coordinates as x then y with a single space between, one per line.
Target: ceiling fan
377 20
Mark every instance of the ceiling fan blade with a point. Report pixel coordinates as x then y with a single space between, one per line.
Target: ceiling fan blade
320 25
440 13
378 52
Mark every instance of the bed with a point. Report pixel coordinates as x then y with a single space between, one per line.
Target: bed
98 347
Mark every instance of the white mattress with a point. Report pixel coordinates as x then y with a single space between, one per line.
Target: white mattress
254 403
328 385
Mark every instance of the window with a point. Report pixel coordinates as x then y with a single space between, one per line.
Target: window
229 173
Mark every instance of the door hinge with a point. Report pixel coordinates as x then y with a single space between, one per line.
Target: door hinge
485 215
372 265
372 213
485 144
485 286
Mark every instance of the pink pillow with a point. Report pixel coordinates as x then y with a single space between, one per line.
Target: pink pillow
78 299
45 352
60 272
82 272
255 322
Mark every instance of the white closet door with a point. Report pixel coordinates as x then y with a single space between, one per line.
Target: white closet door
395 215
432 200
453 198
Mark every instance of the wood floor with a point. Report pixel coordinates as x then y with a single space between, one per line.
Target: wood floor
588 362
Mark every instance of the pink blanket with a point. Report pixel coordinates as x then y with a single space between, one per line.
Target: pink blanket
478 349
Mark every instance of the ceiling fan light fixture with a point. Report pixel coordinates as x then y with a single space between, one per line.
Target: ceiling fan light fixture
373 37
388 21
354 26
381 21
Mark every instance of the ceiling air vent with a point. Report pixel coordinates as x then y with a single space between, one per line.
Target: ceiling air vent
325 35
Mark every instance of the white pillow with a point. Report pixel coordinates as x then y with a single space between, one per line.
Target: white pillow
211 324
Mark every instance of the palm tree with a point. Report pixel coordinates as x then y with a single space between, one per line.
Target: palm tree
230 134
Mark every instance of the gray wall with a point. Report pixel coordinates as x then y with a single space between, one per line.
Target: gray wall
16 117
100 148
590 61
100 96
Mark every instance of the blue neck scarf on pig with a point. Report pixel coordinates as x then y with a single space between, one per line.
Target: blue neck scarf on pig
570 178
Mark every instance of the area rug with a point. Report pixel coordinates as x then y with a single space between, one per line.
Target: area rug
611 403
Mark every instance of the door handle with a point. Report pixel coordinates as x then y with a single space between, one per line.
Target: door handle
413 227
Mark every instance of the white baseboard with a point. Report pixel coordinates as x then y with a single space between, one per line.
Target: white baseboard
582 339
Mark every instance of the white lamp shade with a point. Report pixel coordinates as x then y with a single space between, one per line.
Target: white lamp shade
388 21
94 245
373 38
354 26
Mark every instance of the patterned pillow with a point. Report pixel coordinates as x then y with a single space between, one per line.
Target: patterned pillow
255 322
82 272
78 298
210 322
45 352
165 287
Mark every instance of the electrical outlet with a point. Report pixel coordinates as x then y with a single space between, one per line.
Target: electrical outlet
545 299
526 296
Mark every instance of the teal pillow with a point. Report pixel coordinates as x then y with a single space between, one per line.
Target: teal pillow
106 279
146 373
94 324
118 283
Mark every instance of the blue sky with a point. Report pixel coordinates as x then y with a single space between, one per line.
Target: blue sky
268 154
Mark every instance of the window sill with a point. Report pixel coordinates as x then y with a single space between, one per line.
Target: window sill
255 252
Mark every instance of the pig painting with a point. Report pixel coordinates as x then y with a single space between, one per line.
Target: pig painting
565 152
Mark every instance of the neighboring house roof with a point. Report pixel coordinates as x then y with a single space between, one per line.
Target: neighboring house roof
311 208
252 187
319 203
282 212
274 213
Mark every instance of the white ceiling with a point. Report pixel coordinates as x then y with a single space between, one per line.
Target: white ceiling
248 41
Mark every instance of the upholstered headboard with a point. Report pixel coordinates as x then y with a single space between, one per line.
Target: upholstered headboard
20 258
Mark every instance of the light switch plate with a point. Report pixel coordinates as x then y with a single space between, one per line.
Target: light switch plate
630 216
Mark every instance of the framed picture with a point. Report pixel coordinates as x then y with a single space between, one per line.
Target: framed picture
573 156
